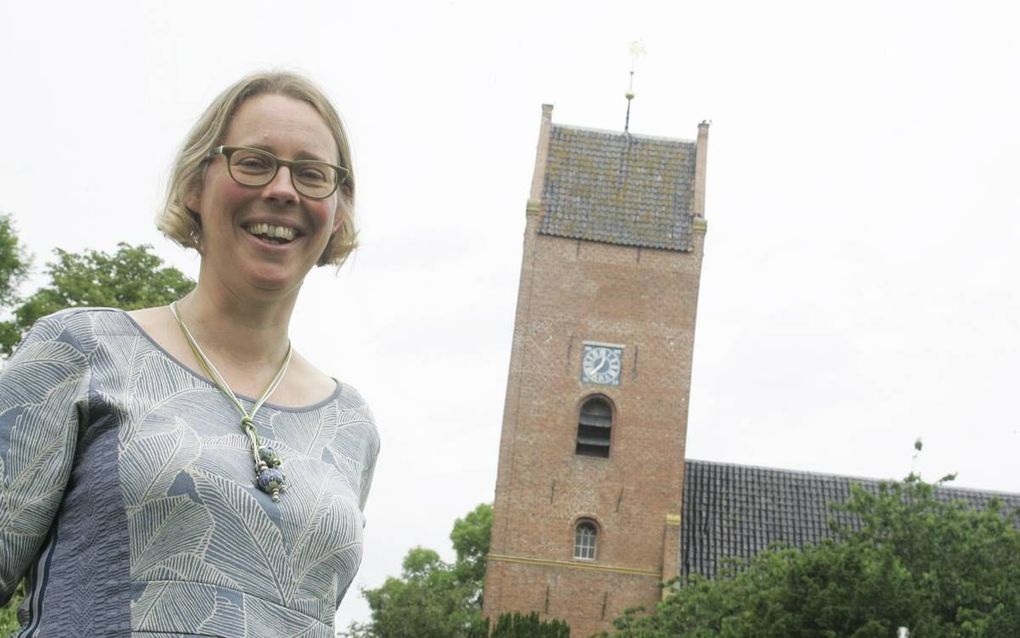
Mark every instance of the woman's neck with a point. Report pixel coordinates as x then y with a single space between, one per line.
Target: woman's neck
241 334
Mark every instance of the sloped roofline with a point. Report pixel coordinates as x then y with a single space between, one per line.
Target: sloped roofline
656 138
850 477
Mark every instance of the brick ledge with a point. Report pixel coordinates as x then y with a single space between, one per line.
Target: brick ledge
574 565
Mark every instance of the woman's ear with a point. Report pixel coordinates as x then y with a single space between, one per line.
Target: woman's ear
191 200
340 216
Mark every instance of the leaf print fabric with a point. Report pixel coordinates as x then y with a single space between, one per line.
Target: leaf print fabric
127 494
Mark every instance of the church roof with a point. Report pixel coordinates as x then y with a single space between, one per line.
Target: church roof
619 188
739 510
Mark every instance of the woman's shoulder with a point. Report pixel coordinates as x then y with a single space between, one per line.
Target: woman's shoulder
78 326
348 397
306 385
319 387
75 315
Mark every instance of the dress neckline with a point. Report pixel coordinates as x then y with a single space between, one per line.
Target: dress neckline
180 364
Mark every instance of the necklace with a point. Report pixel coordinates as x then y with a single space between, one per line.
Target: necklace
268 476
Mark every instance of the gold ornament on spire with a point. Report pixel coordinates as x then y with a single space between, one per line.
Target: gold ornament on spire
637 49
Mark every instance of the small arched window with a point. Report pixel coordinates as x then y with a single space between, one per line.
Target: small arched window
594 427
585 540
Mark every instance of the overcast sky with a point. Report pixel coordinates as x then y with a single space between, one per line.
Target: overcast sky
860 276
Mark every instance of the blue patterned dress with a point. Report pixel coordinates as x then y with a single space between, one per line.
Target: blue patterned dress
126 494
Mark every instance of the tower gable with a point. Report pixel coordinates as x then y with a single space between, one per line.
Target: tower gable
619 188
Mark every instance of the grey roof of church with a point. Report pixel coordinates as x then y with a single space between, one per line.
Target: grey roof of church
739 510
619 188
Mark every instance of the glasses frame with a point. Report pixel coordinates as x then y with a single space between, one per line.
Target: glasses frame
228 151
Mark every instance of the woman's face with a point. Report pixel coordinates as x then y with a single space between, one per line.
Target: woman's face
266 237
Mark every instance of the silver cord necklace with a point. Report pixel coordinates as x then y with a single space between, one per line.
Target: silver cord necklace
268 476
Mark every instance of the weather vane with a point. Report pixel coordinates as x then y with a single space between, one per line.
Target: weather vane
636 50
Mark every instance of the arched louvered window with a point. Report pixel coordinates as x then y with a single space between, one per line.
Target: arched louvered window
594 427
585 540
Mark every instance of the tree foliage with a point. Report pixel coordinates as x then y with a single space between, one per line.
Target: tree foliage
9 612
939 568
527 626
433 598
471 537
130 278
436 599
14 262
14 265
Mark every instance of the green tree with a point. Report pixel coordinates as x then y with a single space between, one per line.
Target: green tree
939 568
14 262
433 598
130 278
527 626
471 537
428 600
14 265
9 612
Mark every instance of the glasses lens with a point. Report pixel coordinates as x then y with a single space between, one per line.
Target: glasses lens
251 167
314 179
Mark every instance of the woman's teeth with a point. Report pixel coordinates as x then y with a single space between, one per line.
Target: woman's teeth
269 231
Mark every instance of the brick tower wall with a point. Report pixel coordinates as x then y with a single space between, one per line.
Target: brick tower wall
645 300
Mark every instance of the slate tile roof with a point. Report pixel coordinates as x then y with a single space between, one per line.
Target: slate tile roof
619 188
739 510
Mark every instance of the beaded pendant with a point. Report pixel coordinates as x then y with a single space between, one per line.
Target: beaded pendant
269 478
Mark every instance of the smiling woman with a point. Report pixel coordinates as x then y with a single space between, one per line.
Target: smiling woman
181 470
242 190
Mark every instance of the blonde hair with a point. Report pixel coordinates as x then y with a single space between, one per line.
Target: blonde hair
181 225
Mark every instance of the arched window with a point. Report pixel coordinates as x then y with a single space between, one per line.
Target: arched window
594 427
585 540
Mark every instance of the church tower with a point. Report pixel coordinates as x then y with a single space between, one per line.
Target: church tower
588 492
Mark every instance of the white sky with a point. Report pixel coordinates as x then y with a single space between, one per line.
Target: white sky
860 276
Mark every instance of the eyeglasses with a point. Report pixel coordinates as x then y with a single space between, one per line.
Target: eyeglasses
255 167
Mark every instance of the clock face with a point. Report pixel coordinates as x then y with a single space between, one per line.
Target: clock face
601 364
